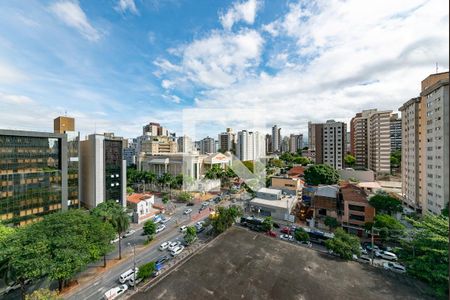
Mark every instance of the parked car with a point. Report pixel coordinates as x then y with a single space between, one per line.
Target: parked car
369 247
286 230
287 237
14 287
362 250
127 275
305 243
162 259
165 219
205 204
131 281
183 228
394 267
115 292
386 255
190 204
276 225
160 228
187 211
177 250
115 240
129 233
173 245
365 259
164 246
271 233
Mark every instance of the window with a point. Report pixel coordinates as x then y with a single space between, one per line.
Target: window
356 207
357 218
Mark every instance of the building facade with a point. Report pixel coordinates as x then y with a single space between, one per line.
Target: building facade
250 145
395 129
207 145
295 142
315 141
33 175
227 140
334 134
276 139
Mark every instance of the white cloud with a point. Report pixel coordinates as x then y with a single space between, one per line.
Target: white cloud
240 11
14 99
172 98
72 15
124 5
10 74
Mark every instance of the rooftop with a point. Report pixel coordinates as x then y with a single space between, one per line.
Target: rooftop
136 198
329 191
351 192
282 203
269 191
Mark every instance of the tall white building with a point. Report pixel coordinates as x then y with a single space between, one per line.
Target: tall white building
207 145
185 144
250 145
295 142
333 141
276 139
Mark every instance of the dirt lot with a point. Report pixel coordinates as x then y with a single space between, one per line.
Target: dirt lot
244 265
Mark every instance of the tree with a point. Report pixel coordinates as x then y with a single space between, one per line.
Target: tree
225 217
384 203
267 224
321 174
146 270
149 228
165 199
349 160
425 252
444 211
5 232
185 196
301 235
287 157
277 162
389 227
215 172
114 214
331 222
43 294
191 235
344 244
301 160
396 159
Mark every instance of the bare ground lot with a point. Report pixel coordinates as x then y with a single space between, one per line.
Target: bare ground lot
244 265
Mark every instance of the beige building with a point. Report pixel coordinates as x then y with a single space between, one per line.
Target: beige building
333 141
371 140
288 185
425 156
159 144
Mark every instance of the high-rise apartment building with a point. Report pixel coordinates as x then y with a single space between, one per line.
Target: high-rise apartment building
33 175
268 141
103 171
285 147
371 140
333 141
250 145
276 139
227 140
315 141
154 129
396 133
295 142
207 145
425 146
185 144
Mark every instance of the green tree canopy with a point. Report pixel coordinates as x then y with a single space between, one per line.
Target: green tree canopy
191 235
43 294
344 244
185 196
396 159
301 160
331 222
149 228
146 270
425 252
390 228
276 163
349 160
301 235
321 174
268 224
225 218
383 203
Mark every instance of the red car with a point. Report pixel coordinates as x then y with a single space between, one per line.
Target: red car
271 233
286 230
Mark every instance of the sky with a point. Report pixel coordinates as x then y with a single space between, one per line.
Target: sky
115 65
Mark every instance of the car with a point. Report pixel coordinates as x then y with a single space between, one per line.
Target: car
115 292
395 267
14 287
276 225
187 211
287 237
164 246
165 219
131 281
127 275
173 245
386 255
160 228
200 223
365 259
129 233
271 233
362 250
369 247
157 219
286 230
199 229
190 204
114 240
177 250
162 260
183 228
305 243
205 204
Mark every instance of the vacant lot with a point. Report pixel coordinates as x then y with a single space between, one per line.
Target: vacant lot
245 265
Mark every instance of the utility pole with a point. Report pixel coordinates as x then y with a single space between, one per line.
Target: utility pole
134 265
371 253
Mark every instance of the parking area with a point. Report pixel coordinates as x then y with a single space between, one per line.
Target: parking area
241 264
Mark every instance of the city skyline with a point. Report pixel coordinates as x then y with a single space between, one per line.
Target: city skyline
116 65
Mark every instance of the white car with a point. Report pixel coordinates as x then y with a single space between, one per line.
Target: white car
305 243
394 267
114 240
127 275
183 228
129 233
177 250
173 245
164 246
287 237
365 259
115 292
160 228
386 255
131 281
187 211
165 219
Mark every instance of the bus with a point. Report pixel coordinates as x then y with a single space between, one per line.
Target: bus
253 223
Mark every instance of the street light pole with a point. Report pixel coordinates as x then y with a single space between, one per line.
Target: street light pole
134 265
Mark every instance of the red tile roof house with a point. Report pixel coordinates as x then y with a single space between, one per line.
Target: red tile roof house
142 206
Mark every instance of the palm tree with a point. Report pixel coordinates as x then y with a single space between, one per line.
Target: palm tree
150 178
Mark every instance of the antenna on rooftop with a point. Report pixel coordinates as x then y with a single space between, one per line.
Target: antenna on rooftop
437 67
65 113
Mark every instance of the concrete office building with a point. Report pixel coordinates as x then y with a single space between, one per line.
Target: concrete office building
370 140
396 133
315 141
207 145
250 145
33 175
333 141
155 129
276 139
185 144
425 146
268 141
103 171
157 144
295 142
285 147
227 140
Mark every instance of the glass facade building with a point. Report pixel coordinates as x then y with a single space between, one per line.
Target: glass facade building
33 175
